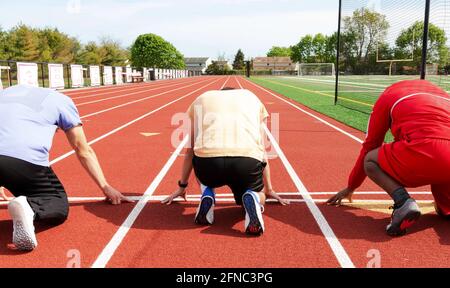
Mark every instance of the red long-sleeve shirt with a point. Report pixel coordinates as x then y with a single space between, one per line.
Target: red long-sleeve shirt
414 109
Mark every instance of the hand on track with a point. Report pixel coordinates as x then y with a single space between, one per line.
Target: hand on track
274 195
181 192
336 200
115 197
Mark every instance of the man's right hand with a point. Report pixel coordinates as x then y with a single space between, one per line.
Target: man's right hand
181 192
336 200
114 196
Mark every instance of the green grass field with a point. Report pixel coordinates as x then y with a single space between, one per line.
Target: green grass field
357 94
315 95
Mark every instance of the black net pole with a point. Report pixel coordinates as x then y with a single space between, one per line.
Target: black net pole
338 53
247 67
423 69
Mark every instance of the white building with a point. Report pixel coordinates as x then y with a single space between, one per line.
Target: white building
197 64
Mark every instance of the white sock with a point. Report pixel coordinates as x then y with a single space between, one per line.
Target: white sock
256 196
203 188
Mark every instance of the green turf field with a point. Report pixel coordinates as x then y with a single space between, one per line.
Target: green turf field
357 94
318 96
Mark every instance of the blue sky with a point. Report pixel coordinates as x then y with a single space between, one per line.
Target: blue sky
195 27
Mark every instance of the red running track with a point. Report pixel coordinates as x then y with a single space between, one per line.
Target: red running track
161 236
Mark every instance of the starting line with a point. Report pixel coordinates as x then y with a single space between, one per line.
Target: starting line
228 198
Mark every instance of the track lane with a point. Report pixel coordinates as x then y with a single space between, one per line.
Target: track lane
129 91
89 90
171 239
129 161
102 123
325 154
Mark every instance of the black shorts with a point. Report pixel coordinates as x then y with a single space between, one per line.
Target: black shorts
239 173
44 191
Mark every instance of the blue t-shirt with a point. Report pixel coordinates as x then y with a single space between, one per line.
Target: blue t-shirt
29 118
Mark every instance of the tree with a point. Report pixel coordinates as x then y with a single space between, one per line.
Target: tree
22 44
362 33
112 53
330 48
303 51
412 38
277 51
2 43
150 50
319 48
239 60
90 55
216 69
55 46
368 27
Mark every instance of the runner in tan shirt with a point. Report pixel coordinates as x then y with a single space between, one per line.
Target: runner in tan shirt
227 137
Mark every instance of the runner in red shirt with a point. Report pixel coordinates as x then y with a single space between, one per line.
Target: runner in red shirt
418 114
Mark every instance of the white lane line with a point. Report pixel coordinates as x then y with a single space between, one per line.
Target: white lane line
308 113
96 93
140 100
223 199
75 91
158 198
223 86
240 86
129 94
118 237
371 193
131 122
338 250
318 193
112 88
142 87
112 246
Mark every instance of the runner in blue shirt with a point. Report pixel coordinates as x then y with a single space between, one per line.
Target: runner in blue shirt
29 118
